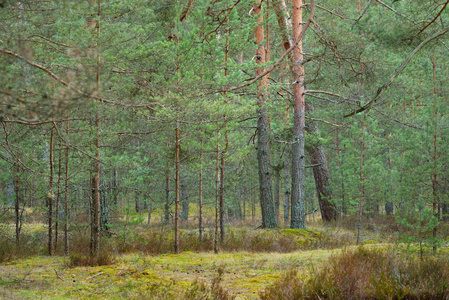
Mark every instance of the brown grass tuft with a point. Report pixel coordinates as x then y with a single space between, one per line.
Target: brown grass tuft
368 274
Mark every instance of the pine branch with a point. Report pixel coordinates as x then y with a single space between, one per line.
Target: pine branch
396 73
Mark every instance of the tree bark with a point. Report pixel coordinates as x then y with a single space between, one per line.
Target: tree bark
167 190
176 190
435 157
328 209
222 190
50 198
298 218
17 205
362 181
263 146
66 195
95 246
277 190
184 200
287 185
200 195
217 185
58 196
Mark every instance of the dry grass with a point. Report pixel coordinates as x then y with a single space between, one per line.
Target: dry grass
368 274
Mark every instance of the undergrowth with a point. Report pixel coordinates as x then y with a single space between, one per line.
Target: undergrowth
29 244
201 290
367 274
80 254
159 241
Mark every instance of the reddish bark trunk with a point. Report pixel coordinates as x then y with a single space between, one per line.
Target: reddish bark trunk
298 156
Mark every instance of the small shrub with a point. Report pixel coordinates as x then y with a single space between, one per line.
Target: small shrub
80 252
289 286
215 291
80 259
7 249
30 243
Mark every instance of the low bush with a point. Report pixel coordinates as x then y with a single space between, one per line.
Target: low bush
368 274
215 291
29 244
80 252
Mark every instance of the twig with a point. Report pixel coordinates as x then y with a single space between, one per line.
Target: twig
56 272
93 276
364 11
396 12
434 19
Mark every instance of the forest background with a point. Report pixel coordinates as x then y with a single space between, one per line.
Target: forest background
205 113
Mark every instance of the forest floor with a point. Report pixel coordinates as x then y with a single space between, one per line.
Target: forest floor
136 274
148 277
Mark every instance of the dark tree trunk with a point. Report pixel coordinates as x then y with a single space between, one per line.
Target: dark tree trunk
58 197
115 188
445 211
328 209
176 190
389 208
17 206
96 225
287 185
184 200
222 190
200 196
150 210
167 194
105 218
66 195
263 146
217 187
50 198
277 190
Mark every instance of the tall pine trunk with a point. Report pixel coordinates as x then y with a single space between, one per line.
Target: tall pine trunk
287 186
217 185
222 190
176 246
50 197
66 194
95 229
298 217
200 194
263 144
17 204
328 209
167 190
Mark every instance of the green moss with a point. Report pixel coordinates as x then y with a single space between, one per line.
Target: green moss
369 242
305 233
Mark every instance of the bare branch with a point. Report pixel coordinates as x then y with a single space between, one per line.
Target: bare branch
324 121
322 92
434 19
396 12
49 40
364 11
